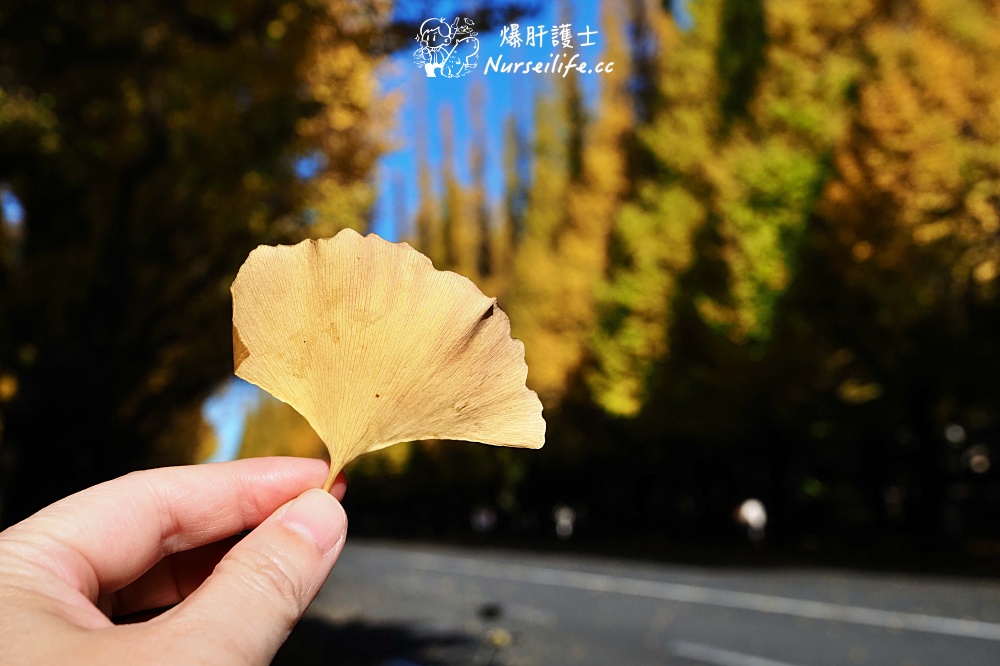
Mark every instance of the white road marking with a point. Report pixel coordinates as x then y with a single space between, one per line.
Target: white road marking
693 594
719 657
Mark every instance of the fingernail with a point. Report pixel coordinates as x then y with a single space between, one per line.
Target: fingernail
318 516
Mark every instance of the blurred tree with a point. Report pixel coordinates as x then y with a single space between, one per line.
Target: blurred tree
740 55
735 182
579 176
458 223
485 254
346 133
427 225
274 428
535 276
651 238
918 178
152 146
516 165
808 276
913 223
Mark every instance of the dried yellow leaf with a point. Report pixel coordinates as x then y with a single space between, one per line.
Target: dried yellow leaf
373 346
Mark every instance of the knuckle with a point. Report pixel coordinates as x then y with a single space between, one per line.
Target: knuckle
271 578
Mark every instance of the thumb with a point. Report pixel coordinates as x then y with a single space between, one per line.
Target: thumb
261 588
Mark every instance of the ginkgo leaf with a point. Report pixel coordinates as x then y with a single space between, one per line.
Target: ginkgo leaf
373 346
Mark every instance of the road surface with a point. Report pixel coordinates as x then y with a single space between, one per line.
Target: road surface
406 605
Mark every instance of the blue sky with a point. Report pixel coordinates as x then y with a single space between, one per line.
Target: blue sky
423 100
11 211
226 412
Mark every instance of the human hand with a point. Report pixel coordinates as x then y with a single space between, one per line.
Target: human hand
165 538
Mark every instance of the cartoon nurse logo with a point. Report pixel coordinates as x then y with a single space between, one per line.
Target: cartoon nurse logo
447 49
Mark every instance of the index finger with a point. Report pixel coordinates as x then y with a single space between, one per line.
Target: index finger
103 538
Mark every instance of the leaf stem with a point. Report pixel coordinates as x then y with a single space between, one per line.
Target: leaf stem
330 478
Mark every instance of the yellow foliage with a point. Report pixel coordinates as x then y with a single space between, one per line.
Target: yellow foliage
276 429
349 128
921 168
856 392
905 102
562 259
655 234
8 387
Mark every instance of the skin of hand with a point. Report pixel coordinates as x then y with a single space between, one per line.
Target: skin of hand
166 538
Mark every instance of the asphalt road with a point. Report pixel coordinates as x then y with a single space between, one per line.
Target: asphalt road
400 605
